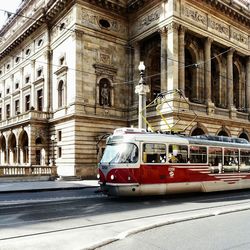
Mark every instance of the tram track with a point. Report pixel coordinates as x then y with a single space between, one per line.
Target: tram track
197 213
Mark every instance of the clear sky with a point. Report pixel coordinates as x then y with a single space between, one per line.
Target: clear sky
8 5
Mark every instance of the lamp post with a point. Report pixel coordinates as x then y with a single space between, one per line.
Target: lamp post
52 138
142 89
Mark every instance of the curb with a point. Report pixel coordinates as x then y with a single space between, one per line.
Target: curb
127 233
44 189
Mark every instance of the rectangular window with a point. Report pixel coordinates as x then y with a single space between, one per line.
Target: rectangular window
59 152
27 79
154 153
39 72
59 135
231 159
198 154
177 153
7 90
27 102
7 111
244 160
17 107
0 114
40 100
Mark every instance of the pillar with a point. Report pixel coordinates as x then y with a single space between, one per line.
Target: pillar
173 56
182 58
248 84
207 69
164 35
230 103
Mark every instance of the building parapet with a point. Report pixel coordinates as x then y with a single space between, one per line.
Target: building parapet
31 115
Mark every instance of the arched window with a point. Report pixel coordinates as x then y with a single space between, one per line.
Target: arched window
222 133
244 136
60 94
12 148
104 94
197 131
24 147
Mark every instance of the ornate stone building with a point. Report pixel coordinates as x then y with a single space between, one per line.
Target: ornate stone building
68 72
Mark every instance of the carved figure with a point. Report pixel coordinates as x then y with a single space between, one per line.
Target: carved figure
105 95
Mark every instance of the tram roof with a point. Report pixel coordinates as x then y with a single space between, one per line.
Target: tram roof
210 140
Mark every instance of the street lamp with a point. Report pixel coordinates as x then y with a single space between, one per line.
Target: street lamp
52 138
142 89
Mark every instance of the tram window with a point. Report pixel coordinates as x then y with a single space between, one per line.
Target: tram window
154 153
177 153
120 153
244 160
198 154
231 159
215 156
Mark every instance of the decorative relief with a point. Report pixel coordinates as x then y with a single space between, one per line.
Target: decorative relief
105 59
215 25
93 21
239 37
146 21
194 15
62 26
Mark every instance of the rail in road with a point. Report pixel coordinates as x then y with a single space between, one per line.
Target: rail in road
101 220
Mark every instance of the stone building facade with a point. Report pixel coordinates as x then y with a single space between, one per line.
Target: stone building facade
68 72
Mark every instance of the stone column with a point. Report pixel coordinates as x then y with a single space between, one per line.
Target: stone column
230 103
21 104
135 68
32 94
207 69
248 84
173 56
182 58
46 98
164 35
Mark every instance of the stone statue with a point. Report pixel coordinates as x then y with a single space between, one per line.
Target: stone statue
105 95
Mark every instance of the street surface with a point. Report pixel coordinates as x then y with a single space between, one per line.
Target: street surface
229 231
84 219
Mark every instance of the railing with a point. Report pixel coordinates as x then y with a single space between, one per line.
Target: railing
23 117
7 171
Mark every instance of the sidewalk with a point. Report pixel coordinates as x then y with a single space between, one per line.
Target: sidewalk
34 186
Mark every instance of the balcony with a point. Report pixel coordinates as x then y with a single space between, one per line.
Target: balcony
24 117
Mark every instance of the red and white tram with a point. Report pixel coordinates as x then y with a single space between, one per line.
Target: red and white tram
136 162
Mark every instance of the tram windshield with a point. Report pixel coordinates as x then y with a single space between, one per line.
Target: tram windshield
120 153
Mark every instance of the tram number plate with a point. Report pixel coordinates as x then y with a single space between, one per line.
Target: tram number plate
104 167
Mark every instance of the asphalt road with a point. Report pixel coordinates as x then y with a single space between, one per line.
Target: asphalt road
83 219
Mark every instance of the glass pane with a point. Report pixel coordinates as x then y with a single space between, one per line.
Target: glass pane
178 153
154 153
198 154
120 153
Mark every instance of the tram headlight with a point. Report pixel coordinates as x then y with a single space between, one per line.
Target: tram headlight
112 177
98 176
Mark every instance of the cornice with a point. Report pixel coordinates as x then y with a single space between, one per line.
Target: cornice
232 9
109 5
43 16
